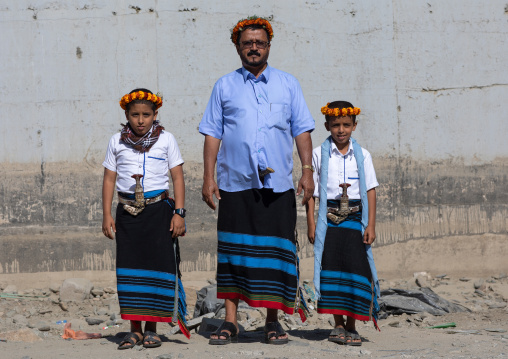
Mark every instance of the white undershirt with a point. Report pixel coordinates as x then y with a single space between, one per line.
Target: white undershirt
153 165
343 168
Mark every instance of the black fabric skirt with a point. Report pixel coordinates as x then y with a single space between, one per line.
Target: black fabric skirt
257 252
147 262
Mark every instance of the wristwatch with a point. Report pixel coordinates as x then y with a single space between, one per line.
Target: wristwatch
309 167
181 212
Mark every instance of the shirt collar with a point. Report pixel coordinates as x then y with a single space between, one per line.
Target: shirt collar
333 148
265 75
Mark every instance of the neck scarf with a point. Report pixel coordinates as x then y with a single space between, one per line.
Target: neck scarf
322 222
141 144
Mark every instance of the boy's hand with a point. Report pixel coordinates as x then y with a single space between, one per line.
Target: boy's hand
311 232
177 226
370 235
108 226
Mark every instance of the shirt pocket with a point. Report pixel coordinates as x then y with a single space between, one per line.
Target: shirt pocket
279 116
157 162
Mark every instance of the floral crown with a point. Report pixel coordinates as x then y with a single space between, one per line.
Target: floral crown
141 95
251 20
347 111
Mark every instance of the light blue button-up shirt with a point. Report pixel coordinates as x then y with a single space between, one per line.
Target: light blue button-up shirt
256 120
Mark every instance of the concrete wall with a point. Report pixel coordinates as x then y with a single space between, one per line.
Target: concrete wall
430 77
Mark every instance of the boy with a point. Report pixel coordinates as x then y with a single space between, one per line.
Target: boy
345 181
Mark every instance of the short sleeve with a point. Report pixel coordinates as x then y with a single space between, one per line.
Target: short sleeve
301 119
370 173
174 155
110 160
212 122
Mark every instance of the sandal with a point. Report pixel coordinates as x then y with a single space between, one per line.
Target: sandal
222 331
273 331
338 335
151 337
131 340
353 335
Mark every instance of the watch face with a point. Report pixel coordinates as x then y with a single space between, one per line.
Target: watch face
181 212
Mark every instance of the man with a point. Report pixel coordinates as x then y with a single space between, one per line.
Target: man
255 112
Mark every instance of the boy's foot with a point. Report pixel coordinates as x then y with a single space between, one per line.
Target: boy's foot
353 338
338 335
151 340
130 341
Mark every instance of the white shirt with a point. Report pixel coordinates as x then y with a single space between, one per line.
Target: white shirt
343 168
153 165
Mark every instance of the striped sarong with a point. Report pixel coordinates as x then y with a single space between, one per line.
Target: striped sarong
147 262
257 252
346 279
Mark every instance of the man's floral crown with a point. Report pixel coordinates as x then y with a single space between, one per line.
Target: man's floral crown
251 20
347 111
140 95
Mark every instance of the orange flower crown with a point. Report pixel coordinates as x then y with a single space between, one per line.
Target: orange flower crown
347 111
251 20
141 95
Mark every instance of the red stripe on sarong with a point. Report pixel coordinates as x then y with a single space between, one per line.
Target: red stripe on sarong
256 303
364 318
146 318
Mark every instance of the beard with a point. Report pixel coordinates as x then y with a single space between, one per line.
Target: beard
260 61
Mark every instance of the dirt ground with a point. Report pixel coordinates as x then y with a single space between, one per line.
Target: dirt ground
480 333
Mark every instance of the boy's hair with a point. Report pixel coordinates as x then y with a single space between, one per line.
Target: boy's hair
341 105
146 102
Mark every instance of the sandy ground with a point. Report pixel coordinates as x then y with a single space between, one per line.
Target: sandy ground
480 333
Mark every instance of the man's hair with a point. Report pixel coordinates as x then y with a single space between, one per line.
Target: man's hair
341 105
146 102
252 27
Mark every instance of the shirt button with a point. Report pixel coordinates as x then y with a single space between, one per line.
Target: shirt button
261 111
259 151
259 129
139 166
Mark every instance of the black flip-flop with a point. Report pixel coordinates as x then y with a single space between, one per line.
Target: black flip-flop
273 331
131 339
335 336
353 335
221 332
151 337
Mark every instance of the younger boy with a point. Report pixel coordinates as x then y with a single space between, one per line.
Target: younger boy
344 273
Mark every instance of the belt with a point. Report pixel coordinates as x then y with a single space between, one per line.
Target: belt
146 202
334 208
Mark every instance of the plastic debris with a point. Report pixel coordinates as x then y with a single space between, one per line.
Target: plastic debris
61 322
309 291
78 335
110 326
445 325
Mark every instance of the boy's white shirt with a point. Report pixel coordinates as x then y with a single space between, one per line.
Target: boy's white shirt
336 172
154 164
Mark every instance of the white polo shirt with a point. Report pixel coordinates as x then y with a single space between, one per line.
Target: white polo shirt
343 168
153 165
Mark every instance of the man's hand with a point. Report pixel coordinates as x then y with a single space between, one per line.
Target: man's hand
307 184
209 189
370 235
108 226
177 226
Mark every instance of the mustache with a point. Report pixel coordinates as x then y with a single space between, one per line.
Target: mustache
253 52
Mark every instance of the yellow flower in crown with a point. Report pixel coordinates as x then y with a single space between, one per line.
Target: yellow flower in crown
346 111
251 20
140 95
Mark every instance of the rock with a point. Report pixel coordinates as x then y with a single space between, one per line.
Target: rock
94 321
64 306
394 324
212 281
10 289
422 282
191 324
43 326
478 283
75 290
501 276
44 311
103 311
365 352
181 355
164 356
54 287
20 319
110 290
97 292
480 293
23 335
464 279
